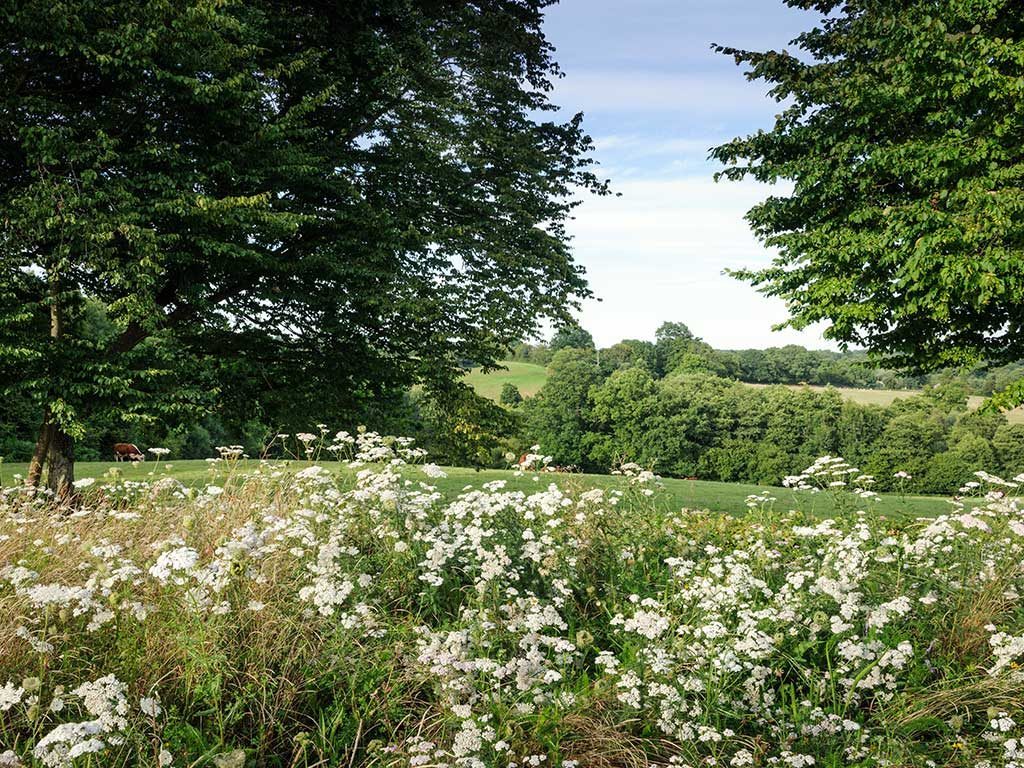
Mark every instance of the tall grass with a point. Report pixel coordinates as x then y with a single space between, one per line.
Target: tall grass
317 618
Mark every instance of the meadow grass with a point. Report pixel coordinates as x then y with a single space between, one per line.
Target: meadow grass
729 498
296 615
527 377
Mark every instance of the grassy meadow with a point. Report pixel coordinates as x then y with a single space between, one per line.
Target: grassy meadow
527 377
674 494
379 614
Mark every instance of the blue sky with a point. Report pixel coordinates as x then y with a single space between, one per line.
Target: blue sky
655 98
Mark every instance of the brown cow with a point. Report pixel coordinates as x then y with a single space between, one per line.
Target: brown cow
128 452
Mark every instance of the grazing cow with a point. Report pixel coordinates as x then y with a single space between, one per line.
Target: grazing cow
128 452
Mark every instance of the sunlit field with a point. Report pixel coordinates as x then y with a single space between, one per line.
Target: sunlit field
296 615
730 498
527 378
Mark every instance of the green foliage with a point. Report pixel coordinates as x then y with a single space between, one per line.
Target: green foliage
698 424
628 353
559 414
571 336
538 354
903 138
510 394
1008 443
793 364
212 204
623 409
461 428
679 350
907 443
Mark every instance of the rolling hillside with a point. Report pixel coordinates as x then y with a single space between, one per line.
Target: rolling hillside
529 378
885 397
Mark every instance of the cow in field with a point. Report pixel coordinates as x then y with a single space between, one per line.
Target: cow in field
128 452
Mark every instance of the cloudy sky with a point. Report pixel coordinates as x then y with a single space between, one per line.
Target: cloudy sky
655 98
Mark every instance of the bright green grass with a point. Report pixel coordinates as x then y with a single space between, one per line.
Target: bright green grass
729 498
527 377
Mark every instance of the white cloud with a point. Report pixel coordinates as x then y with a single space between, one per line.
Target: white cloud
656 98
635 155
657 253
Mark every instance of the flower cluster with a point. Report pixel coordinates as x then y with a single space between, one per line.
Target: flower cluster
353 613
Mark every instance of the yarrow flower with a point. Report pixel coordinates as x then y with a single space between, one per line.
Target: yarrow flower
778 638
434 471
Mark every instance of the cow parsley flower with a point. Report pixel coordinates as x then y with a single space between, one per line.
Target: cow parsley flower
172 562
10 695
150 705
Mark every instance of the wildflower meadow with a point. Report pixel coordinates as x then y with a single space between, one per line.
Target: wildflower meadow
315 618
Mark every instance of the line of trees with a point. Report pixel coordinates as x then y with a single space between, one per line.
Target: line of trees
697 423
676 349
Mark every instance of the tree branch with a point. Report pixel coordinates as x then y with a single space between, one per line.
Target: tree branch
135 333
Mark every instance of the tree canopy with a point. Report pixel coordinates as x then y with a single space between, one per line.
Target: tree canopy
321 202
571 336
902 134
698 424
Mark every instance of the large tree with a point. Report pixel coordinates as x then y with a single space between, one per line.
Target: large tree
320 200
901 136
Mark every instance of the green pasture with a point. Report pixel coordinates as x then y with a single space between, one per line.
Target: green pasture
527 377
729 498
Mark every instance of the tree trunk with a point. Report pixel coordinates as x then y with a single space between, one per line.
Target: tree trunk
54 442
35 468
60 475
